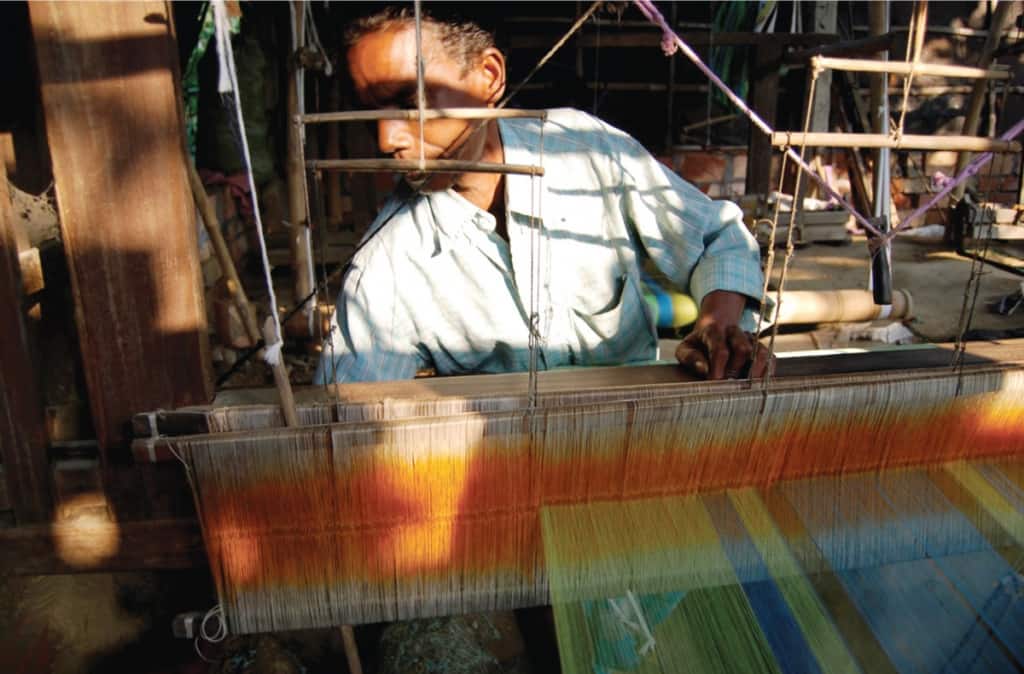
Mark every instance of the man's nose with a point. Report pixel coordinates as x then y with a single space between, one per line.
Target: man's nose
394 136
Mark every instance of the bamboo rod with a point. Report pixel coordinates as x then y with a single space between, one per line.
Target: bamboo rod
348 637
903 68
220 249
438 113
907 142
429 165
841 306
281 380
299 242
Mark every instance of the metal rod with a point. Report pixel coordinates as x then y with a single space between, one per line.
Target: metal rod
430 165
903 68
439 113
907 142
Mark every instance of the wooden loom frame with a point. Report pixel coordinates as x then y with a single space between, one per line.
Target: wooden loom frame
861 441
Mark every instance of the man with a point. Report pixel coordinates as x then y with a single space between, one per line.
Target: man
444 278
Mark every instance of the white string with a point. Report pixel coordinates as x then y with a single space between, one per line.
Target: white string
421 98
228 86
215 613
535 342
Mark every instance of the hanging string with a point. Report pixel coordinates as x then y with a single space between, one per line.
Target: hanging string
312 31
551 52
973 287
228 87
535 339
795 208
915 42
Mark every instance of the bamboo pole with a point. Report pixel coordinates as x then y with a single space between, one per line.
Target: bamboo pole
841 306
906 142
429 165
903 68
220 249
299 239
434 113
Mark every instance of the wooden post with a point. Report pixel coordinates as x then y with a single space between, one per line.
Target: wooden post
332 150
298 239
22 428
765 101
1000 22
108 72
825 21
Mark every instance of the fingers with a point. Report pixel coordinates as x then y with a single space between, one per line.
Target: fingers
717 354
690 354
739 352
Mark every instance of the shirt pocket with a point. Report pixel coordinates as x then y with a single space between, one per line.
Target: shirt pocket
621 333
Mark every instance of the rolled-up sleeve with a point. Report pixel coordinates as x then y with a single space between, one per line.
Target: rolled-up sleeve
700 244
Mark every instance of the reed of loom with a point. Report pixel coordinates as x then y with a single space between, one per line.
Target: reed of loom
431 515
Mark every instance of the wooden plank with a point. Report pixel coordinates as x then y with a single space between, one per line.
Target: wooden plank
88 545
318 403
108 73
22 429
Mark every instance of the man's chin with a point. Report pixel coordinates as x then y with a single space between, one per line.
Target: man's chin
428 182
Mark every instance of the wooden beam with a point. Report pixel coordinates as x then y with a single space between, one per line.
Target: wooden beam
904 68
439 113
85 545
906 142
110 94
259 408
22 425
430 165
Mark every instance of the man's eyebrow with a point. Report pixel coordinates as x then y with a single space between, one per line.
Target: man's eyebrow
386 95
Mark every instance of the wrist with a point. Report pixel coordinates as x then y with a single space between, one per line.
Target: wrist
723 307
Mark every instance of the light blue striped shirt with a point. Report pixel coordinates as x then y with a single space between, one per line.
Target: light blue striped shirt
434 285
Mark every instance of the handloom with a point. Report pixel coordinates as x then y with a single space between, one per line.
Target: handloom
363 521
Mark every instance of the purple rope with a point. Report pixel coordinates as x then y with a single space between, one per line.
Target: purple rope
670 42
969 170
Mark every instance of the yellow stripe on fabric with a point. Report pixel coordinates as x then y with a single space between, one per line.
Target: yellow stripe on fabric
821 634
668 545
1001 510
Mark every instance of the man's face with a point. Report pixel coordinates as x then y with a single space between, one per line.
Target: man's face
383 68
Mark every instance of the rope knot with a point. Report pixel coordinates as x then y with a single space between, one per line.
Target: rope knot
668 44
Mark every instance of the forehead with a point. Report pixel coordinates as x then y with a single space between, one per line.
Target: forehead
387 58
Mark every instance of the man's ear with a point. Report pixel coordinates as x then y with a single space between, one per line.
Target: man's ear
491 68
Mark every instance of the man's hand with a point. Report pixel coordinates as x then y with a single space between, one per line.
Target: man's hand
717 348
